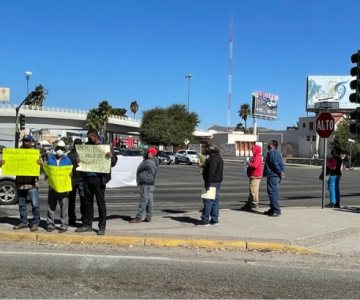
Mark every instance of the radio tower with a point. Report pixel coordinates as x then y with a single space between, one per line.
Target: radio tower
230 74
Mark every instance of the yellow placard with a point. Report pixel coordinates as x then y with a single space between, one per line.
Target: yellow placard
59 177
92 158
21 162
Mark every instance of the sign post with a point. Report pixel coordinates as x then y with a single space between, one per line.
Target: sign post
325 125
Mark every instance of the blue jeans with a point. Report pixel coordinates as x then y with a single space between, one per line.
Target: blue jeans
211 207
35 203
273 187
334 189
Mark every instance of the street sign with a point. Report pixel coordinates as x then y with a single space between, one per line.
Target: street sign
186 141
326 105
325 124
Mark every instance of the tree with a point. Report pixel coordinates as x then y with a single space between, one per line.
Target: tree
39 96
97 118
134 107
244 112
239 127
121 112
168 126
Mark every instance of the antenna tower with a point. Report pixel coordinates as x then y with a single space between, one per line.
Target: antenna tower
230 73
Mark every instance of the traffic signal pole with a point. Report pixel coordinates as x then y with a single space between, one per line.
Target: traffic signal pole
324 173
17 133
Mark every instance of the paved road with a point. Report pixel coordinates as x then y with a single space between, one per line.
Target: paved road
178 188
78 272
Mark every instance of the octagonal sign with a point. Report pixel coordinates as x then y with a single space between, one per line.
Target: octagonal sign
325 124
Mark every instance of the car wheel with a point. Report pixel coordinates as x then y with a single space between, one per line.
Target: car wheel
176 160
188 161
8 192
169 162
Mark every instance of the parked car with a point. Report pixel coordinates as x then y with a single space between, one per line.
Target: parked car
8 190
163 157
132 152
187 156
171 155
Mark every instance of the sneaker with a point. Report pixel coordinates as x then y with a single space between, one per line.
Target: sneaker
50 229
268 212
337 205
330 205
135 220
72 223
201 223
101 231
62 230
84 228
21 226
274 214
34 227
147 219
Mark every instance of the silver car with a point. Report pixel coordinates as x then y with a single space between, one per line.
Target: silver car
8 190
187 156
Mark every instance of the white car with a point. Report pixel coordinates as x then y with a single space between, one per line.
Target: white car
187 156
8 190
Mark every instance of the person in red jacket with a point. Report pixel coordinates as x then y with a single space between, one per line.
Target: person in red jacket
254 172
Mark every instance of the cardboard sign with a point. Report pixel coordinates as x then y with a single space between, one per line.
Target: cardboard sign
59 177
92 158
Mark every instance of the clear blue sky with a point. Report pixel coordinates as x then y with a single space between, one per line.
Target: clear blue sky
86 51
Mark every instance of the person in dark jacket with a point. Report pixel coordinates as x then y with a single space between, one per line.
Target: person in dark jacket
145 178
274 172
254 172
95 185
77 185
213 176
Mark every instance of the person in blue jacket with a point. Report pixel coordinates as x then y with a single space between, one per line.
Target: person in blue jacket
274 172
58 159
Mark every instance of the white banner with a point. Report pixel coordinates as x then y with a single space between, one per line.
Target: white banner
124 172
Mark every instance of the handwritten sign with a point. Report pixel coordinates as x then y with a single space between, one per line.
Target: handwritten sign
21 162
59 177
92 158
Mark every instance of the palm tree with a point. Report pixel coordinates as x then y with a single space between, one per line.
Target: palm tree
134 107
97 118
244 112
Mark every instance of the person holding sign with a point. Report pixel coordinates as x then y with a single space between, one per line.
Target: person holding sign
27 186
213 176
95 185
55 193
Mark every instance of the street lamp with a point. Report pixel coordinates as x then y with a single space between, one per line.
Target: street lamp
27 76
188 77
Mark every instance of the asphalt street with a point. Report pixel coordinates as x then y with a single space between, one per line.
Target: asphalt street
178 189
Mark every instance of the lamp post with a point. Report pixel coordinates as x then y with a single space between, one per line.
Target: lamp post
27 76
188 77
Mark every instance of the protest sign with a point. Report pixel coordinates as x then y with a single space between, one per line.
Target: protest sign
59 177
92 158
124 172
21 162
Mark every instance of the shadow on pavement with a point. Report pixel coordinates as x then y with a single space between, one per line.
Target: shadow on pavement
184 219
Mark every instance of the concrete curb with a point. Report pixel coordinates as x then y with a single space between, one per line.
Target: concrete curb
155 241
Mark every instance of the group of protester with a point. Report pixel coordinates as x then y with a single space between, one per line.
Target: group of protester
90 184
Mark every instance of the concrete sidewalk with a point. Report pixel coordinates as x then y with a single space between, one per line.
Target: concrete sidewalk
299 230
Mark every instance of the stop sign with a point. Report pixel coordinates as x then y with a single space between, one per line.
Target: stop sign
325 124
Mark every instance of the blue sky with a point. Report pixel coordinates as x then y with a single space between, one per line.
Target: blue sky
86 51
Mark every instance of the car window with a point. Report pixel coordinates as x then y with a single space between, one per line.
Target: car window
192 152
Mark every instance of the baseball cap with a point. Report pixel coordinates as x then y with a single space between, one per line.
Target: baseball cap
152 151
27 138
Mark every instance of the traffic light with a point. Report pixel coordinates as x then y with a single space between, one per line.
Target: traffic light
22 122
355 84
354 127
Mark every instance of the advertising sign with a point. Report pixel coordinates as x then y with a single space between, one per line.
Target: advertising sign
265 105
331 89
4 94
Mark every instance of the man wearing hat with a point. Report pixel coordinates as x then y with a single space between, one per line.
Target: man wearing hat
58 159
145 178
213 176
27 187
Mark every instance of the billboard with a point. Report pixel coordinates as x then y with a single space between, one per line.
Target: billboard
4 94
332 89
265 105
